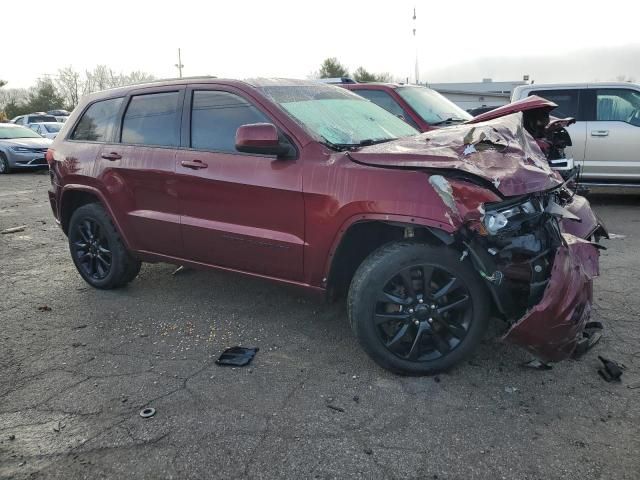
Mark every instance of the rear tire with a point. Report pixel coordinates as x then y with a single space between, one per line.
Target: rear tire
416 309
4 164
97 249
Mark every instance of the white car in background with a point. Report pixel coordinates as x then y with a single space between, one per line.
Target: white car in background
606 135
46 129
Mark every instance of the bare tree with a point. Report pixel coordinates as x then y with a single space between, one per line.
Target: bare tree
70 86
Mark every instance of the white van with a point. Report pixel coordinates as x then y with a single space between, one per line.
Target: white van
606 135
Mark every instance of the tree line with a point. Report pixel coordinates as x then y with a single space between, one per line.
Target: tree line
63 90
332 68
67 86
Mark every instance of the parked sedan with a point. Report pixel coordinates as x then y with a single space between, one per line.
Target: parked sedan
46 129
21 148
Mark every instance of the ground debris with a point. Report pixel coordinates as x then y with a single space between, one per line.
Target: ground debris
336 408
236 356
611 371
13 230
147 412
44 308
536 364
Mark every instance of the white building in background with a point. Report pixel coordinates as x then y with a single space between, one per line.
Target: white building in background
477 94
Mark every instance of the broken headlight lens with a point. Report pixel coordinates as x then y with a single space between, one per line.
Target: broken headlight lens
497 218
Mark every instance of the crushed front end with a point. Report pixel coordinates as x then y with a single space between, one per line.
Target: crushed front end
539 277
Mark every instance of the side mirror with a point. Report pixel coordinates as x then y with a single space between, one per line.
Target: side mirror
260 138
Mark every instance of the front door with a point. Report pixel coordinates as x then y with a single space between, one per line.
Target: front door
239 211
613 138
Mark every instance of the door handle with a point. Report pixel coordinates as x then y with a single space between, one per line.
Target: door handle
599 133
111 156
194 164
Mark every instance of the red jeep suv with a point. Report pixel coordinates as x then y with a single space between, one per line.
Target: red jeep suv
309 184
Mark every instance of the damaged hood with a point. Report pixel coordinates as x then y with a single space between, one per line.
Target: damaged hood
532 102
500 151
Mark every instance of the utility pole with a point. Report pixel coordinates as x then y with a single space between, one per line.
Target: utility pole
415 41
179 65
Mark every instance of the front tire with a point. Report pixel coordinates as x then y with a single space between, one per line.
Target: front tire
4 164
416 309
97 249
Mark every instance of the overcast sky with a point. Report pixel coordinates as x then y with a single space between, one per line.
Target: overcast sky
457 41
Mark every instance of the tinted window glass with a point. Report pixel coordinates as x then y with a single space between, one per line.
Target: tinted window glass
382 99
567 101
98 122
152 119
618 105
215 117
41 118
386 101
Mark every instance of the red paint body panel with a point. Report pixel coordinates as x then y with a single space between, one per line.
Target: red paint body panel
551 330
589 221
530 103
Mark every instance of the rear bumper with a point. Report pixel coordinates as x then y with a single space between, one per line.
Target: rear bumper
54 206
552 328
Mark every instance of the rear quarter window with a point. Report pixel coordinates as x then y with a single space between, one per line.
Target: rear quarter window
98 121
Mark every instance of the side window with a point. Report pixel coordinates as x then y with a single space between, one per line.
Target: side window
386 101
215 117
618 104
35 128
567 101
152 119
98 121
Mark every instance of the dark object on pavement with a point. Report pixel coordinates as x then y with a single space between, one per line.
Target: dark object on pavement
336 408
537 365
237 356
591 335
612 371
147 412
44 308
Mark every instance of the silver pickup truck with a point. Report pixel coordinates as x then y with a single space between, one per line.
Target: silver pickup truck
606 135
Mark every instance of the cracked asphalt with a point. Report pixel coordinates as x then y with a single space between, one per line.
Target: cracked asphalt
77 365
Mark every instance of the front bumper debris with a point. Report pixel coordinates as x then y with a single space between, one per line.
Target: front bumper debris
552 328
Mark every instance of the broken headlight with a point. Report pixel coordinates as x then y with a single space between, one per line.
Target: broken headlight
497 216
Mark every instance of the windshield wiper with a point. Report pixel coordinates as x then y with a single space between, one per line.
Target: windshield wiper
449 120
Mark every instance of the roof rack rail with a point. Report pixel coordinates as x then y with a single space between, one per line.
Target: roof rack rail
336 80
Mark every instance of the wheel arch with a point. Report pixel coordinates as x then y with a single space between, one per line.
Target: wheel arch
75 196
363 234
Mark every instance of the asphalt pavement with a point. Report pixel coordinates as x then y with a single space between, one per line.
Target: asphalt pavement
77 365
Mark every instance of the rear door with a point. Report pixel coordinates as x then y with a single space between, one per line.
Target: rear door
570 104
138 169
240 211
613 135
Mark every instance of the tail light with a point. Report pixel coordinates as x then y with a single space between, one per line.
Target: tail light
49 156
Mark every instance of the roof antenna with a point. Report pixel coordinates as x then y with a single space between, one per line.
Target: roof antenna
415 41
